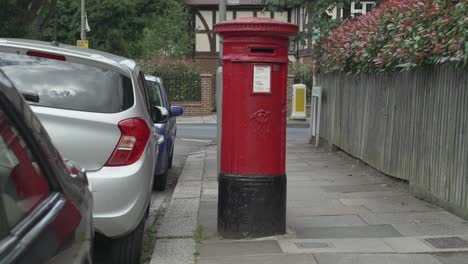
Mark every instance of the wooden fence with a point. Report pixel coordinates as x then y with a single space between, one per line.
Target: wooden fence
411 125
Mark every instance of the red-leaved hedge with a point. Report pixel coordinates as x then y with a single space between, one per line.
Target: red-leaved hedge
399 34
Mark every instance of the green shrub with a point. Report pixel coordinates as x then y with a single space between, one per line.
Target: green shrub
400 34
180 77
303 74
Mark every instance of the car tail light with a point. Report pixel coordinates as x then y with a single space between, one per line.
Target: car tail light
46 55
132 142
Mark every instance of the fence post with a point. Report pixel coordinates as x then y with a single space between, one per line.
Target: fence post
206 93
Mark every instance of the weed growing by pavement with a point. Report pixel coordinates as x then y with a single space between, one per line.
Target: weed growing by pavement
199 234
219 236
247 236
149 239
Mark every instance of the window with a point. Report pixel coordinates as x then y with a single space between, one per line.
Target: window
144 92
70 86
22 184
155 93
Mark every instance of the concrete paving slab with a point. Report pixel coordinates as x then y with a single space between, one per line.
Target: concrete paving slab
238 248
207 217
405 199
191 175
326 210
177 227
357 188
453 258
193 165
299 168
381 208
262 259
304 193
432 229
306 201
371 231
438 217
335 181
369 245
180 208
174 251
208 184
375 259
366 194
326 221
407 244
187 189
209 195
180 219
392 204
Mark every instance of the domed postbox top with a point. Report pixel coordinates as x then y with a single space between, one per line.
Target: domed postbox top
257 26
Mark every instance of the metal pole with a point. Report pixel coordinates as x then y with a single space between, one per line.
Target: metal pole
83 20
219 86
312 131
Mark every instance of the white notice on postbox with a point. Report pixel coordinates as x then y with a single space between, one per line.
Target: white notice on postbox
262 79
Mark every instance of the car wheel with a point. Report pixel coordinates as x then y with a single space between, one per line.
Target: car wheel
160 181
170 159
127 249
89 259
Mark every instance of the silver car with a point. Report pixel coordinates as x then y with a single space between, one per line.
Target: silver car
96 108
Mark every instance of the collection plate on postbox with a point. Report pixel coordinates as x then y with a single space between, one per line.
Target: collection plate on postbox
262 79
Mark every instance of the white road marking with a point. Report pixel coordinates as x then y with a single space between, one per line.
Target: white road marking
196 140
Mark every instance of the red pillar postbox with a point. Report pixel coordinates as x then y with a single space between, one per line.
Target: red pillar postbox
252 179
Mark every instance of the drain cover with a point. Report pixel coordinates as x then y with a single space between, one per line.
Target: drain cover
447 242
313 245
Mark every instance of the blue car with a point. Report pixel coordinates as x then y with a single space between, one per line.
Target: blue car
166 131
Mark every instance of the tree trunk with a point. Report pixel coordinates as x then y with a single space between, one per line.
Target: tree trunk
42 23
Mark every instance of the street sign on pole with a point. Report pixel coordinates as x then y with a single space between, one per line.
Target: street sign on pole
82 43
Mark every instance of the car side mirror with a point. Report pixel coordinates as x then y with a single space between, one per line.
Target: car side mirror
76 172
177 110
160 114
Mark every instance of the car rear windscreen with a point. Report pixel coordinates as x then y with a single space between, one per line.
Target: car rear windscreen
70 86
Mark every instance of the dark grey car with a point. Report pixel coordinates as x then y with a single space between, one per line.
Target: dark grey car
45 202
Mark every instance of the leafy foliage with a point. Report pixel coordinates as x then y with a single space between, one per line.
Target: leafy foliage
400 34
181 78
21 18
131 28
167 34
303 73
318 19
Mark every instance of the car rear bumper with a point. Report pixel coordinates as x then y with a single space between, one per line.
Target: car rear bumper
121 196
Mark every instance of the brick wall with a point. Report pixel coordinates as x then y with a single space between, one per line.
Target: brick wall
289 98
204 106
207 64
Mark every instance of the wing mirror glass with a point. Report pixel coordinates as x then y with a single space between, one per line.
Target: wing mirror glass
160 114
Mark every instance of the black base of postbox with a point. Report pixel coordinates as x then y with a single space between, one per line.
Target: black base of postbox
251 206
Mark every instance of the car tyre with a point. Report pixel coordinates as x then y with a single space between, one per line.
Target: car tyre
170 159
127 249
160 182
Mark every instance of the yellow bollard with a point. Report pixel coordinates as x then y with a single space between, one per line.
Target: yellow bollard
299 102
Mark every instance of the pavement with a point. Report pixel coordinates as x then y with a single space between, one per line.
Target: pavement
212 120
339 211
